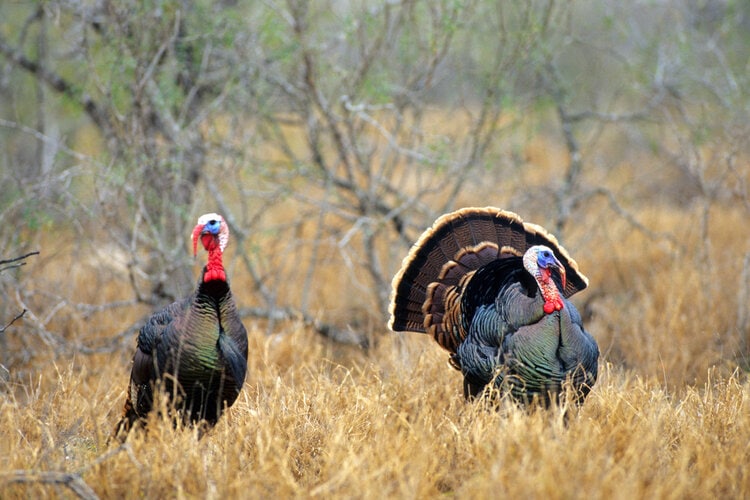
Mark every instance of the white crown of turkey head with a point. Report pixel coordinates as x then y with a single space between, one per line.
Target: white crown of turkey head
213 224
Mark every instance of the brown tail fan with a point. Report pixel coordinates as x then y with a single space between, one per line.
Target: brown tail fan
427 289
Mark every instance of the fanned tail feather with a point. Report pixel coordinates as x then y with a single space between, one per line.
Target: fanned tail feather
427 290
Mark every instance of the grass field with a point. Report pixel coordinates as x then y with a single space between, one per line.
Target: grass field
668 418
319 421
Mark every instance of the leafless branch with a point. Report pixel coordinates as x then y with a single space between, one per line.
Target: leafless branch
630 218
11 264
71 480
328 330
743 296
18 316
16 260
46 139
637 116
126 447
58 83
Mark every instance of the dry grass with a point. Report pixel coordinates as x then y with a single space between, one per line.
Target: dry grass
313 422
668 418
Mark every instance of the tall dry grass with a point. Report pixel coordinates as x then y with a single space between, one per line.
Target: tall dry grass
668 418
314 422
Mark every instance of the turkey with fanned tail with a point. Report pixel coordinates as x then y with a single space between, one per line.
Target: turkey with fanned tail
195 350
493 291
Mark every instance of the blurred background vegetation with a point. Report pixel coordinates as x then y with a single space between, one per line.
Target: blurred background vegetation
330 134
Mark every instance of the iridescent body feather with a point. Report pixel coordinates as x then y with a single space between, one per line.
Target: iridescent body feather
194 350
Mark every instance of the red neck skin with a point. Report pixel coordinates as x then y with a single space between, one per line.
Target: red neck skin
552 299
215 266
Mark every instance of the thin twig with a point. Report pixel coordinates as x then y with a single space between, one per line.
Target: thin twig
15 262
109 454
70 479
345 336
16 259
743 295
59 84
18 316
630 218
47 140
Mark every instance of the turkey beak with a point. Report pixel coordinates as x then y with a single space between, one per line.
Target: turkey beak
560 270
196 236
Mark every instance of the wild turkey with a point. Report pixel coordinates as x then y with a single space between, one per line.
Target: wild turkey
493 290
194 349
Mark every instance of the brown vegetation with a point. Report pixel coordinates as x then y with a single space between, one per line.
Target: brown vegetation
320 421
330 134
668 418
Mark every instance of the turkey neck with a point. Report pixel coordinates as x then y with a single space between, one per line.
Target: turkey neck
215 267
206 319
209 302
214 285
551 295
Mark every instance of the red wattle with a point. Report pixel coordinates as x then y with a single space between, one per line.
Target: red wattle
553 305
214 275
215 266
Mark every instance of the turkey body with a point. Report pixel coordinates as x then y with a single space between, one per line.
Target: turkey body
195 350
493 290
